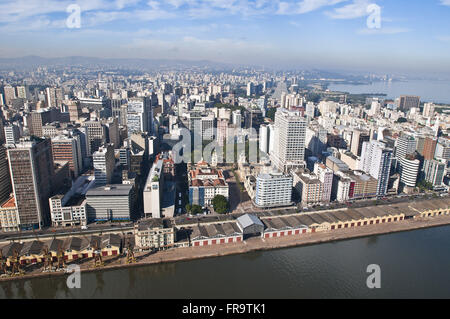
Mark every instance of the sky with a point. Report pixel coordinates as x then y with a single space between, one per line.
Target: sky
412 36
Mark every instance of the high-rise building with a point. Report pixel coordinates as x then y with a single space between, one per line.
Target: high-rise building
2 131
32 171
21 92
264 139
95 136
434 172
39 118
237 118
358 138
113 131
409 170
428 110
325 176
104 162
376 161
68 149
9 94
75 112
289 145
5 180
407 102
272 190
429 148
139 115
405 145
12 134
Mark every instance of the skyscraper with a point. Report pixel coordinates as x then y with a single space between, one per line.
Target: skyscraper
32 171
68 149
434 172
139 115
289 145
104 162
358 138
376 161
408 102
5 180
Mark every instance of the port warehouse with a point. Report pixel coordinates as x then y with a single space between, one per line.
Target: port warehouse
74 248
215 230
224 229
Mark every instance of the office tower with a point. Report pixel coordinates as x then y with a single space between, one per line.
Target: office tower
442 150
274 189
68 149
264 139
376 161
9 94
39 118
5 180
310 110
21 92
2 131
222 128
271 138
358 138
406 145
74 110
429 148
428 110
250 89
409 170
289 144
95 136
32 171
434 172
153 191
50 97
111 202
116 110
113 132
139 115
12 134
2 100
104 163
237 118
407 102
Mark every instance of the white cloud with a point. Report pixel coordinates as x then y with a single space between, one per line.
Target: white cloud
354 10
305 6
445 2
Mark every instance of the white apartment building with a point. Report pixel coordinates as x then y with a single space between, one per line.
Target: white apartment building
289 144
274 189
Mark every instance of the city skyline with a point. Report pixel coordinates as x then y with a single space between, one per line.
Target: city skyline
335 34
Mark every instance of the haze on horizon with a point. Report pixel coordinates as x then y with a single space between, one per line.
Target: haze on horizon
331 34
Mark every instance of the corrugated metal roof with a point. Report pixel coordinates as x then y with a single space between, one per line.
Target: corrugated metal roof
249 220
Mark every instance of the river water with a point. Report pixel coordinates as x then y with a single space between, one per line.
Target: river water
413 264
428 90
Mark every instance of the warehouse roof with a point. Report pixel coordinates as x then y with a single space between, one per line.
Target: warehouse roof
248 220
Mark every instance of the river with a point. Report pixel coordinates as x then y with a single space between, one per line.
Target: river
428 90
413 264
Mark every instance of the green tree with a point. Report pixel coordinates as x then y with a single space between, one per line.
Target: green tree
188 208
402 120
196 210
220 204
271 113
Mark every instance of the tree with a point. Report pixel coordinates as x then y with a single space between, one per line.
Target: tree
402 120
271 113
196 210
220 204
188 208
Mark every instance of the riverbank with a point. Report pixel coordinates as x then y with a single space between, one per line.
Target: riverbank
249 245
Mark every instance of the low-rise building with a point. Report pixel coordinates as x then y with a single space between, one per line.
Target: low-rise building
273 190
9 215
205 183
155 233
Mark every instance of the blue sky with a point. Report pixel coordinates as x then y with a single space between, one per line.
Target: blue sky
414 35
